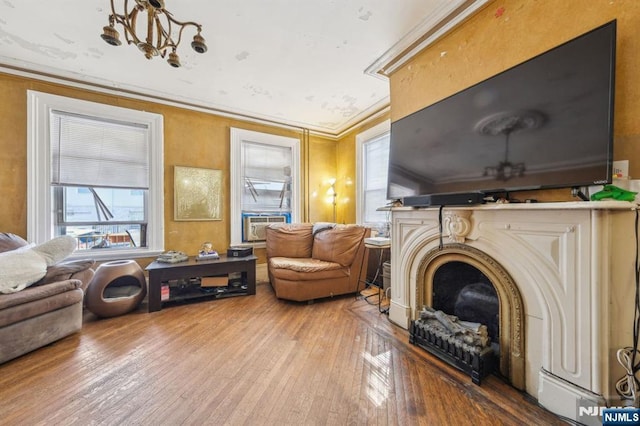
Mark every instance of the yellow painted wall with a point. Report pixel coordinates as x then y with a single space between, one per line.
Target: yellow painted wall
322 167
191 138
507 32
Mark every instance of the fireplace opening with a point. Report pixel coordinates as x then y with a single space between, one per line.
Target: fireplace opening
457 280
462 290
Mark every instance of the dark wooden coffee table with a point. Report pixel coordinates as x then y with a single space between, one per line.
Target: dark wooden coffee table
160 272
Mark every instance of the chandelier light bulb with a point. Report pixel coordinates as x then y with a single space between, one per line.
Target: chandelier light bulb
198 43
111 35
174 60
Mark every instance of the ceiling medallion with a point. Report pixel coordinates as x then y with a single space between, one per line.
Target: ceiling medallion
155 28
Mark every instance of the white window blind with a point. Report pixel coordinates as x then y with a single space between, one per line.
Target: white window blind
376 165
266 162
91 152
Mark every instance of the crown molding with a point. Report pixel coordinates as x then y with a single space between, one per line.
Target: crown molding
374 116
440 22
76 81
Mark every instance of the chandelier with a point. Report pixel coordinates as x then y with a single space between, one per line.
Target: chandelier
507 123
156 33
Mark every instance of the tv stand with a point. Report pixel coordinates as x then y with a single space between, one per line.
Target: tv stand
162 272
577 192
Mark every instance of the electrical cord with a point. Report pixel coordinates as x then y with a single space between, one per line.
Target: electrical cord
440 230
628 385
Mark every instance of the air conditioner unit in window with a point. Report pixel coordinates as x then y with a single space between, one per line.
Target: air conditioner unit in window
254 226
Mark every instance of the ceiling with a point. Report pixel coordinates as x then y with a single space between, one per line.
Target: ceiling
318 65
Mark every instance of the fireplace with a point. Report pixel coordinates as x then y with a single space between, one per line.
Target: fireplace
446 270
563 277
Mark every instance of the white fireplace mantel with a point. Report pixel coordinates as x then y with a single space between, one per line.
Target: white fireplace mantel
573 264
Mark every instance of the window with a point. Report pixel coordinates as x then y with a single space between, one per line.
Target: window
372 165
95 172
265 172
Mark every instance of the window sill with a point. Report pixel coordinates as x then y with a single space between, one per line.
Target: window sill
103 255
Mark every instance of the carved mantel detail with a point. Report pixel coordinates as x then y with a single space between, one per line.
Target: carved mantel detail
457 225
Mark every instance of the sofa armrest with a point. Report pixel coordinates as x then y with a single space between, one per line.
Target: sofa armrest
32 293
70 269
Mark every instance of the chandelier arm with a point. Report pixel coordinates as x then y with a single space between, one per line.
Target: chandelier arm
180 23
183 25
130 33
129 23
127 20
113 11
164 37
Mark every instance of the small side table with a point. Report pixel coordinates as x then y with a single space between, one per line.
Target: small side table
379 248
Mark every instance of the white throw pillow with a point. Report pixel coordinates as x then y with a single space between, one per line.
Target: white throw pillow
26 265
56 249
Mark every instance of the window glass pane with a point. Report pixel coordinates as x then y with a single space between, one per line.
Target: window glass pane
92 237
375 198
101 217
267 178
376 163
82 204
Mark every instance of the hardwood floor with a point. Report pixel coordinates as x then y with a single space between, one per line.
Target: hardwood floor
250 360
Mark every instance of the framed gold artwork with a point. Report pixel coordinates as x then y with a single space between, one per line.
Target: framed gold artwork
197 194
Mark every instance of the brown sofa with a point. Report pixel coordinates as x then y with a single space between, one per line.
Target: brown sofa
45 311
307 261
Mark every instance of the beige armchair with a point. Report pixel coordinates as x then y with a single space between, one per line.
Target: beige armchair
307 262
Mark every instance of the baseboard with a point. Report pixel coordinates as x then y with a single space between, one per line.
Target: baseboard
566 399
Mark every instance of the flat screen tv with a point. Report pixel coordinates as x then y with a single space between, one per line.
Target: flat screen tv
545 123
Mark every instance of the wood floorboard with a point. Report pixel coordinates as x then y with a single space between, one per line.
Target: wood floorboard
252 360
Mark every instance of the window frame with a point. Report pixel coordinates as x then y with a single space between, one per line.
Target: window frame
361 138
237 137
40 223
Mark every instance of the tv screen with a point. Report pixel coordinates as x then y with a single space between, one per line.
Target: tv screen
545 123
